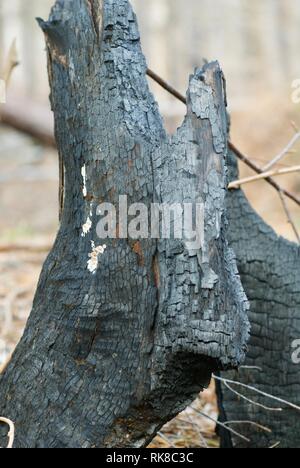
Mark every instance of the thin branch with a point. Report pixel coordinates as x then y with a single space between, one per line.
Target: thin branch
256 390
265 175
166 86
242 157
11 434
237 434
275 445
249 423
258 170
283 153
252 368
289 216
252 402
282 164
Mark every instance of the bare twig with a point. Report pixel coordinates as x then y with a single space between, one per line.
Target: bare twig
166 86
265 175
237 434
280 164
252 368
256 390
289 216
252 402
11 434
242 157
249 423
283 153
275 445
246 160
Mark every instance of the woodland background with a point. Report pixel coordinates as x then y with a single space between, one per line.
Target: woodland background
258 45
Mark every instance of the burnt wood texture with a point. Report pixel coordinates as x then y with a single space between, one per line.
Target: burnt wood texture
122 336
270 270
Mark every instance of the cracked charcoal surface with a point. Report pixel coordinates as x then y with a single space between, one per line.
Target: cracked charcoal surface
109 356
269 268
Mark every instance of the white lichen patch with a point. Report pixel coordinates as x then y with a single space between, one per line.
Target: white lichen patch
93 261
83 173
86 228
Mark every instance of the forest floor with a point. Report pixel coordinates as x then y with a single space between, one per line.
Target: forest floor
28 223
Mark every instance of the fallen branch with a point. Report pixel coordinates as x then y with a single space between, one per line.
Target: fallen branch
29 118
11 434
265 175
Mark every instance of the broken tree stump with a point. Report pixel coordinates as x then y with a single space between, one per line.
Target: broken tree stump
124 332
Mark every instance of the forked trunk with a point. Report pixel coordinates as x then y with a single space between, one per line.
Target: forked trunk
124 332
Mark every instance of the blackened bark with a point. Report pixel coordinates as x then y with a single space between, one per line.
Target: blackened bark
270 270
120 340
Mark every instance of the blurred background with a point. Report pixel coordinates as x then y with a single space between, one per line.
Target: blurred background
258 46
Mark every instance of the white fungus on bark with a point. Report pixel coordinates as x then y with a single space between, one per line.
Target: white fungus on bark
86 228
93 261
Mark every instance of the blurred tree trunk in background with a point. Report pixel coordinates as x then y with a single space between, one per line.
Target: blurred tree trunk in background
270 270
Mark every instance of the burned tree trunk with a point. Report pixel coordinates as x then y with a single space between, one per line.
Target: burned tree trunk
270 272
125 331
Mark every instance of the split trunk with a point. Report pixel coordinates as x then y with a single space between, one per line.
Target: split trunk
125 332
